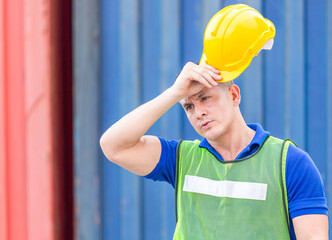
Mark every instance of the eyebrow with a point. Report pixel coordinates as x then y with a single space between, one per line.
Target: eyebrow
184 105
200 95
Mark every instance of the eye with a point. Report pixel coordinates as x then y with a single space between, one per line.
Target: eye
205 98
188 107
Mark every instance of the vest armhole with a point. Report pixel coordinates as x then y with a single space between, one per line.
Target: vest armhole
284 151
176 179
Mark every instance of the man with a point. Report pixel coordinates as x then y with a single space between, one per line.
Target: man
213 111
238 182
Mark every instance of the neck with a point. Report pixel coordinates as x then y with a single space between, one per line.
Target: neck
237 137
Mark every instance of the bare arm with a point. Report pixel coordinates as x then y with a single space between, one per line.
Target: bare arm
124 142
311 227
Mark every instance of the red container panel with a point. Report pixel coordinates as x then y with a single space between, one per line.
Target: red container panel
3 180
38 119
15 120
31 122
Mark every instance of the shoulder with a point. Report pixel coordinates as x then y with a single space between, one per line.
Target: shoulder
298 165
168 145
186 147
195 142
297 160
305 188
165 169
187 143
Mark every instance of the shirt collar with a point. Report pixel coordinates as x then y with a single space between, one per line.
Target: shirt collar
256 142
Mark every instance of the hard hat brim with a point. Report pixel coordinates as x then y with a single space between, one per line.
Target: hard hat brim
227 76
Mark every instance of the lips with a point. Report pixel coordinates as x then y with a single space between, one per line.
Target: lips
206 124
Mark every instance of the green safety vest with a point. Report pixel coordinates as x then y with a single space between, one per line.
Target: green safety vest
241 199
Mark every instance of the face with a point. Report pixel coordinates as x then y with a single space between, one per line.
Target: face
211 112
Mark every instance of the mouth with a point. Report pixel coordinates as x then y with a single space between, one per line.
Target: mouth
206 124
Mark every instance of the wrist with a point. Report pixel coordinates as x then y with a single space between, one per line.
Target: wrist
174 94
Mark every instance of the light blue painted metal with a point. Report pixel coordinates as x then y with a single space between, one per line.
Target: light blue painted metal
274 72
146 43
316 82
209 8
294 69
86 114
328 182
110 113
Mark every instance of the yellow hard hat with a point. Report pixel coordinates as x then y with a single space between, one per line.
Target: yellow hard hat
233 37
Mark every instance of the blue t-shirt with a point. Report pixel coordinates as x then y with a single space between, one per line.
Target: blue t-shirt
305 190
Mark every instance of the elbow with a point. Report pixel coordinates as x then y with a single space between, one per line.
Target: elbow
108 149
102 143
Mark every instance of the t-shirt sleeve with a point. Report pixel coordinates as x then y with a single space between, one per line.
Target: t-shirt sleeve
305 189
165 169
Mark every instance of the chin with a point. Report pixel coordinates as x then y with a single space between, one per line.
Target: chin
209 136
212 138
214 134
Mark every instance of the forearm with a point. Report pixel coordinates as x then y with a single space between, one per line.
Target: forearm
129 129
123 143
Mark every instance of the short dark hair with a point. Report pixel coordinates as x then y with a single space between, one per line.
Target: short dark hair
225 85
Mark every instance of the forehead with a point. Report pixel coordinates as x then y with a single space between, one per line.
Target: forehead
203 92
192 97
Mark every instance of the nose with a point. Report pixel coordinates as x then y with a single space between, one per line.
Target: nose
200 111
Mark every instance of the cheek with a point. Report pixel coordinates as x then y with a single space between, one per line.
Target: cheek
225 113
229 114
193 121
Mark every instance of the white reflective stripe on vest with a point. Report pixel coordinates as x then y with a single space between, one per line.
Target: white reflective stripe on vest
231 189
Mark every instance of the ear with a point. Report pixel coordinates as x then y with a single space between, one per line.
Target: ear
234 91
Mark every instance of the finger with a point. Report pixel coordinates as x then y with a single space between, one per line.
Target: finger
209 78
199 78
211 68
215 75
208 74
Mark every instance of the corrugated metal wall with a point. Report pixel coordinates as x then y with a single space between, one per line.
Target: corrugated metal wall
126 52
14 218
32 193
86 68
